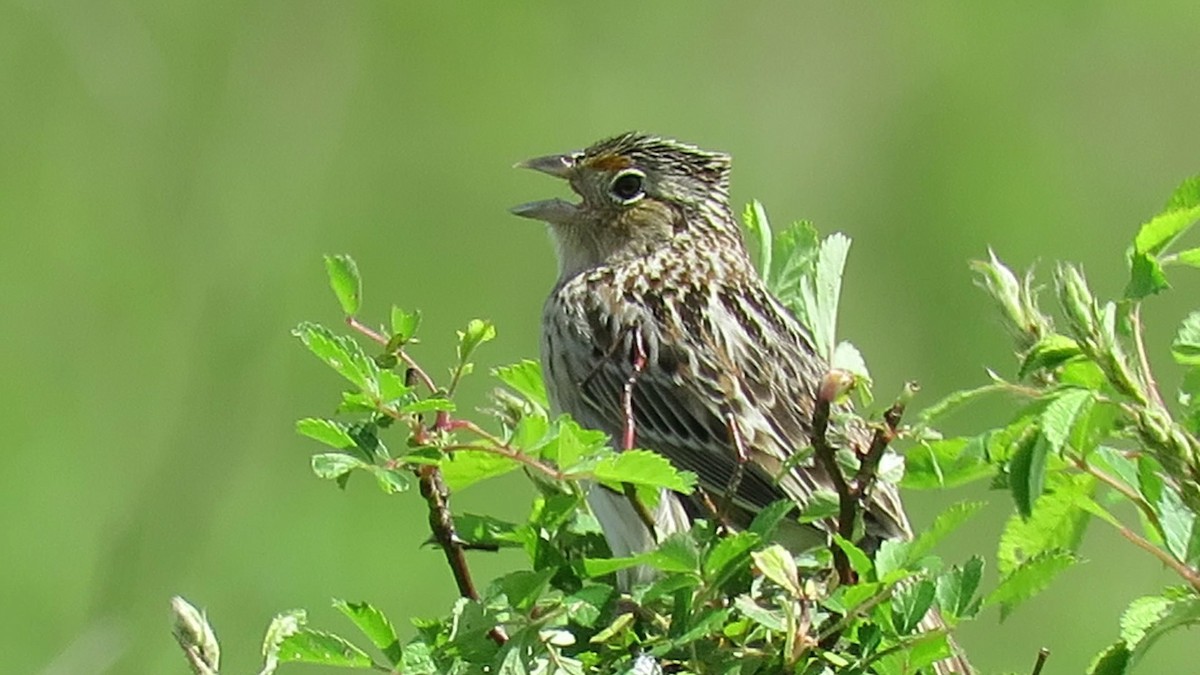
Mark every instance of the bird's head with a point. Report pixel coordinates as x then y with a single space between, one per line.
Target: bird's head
638 194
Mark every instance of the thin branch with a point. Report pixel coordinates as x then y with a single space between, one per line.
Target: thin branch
375 336
1191 576
831 386
1043 654
1139 345
1126 491
441 522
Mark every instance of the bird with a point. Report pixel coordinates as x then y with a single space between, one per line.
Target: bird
660 332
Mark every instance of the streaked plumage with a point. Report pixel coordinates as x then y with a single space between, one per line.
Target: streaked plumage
661 272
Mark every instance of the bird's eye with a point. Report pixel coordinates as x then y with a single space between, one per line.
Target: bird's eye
627 186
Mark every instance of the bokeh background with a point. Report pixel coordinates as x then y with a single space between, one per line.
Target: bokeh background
170 174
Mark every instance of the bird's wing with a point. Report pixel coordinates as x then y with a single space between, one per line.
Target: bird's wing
726 373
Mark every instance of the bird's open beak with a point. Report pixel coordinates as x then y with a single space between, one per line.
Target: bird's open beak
549 210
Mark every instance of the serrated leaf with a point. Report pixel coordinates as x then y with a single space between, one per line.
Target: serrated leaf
956 589
820 293
643 467
1059 417
1057 523
947 462
794 260
847 357
728 552
910 602
476 333
313 646
1146 277
1186 346
345 282
754 216
778 565
1112 661
956 400
328 432
770 619
375 626
467 467
768 520
1027 580
677 553
342 354
524 587
331 465
1149 618
946 522
525 377
1178 525
1049 353
487 531
417 659
1027 472
390 481
586 605
282 626
404 325
893 555
821 504
860 562
1160 231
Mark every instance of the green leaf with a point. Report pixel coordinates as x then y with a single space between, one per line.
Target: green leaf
847 357
643 467
1190 257
860 562
524 587
1186 347
345 282
487 531
1057 522
1027 471
1186 195
946 522
1111 661
677 553
404 325
586 605
755 218
822 503
893 555
525 378
1149 618
1146 277
476 333
820 293
1027 580
729 552
1178 526
599 567
768 520
342 354
313 646
375 626
773 620
1049 353
956 589
1060 416
417 660
956 400
331 465
390 481
910 602
778 565
282 626
1160 231
467 467
946 463
328 432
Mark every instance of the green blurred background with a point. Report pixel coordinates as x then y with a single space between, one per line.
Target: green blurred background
170 174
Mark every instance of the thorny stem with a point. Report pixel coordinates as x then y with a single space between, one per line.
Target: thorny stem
1139 345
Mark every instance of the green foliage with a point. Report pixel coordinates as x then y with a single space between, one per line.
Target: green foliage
1088 428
